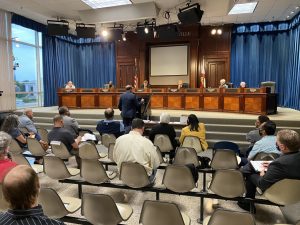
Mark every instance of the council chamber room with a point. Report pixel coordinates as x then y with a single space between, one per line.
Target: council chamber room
162 112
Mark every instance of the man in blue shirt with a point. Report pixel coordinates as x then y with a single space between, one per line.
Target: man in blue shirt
109 125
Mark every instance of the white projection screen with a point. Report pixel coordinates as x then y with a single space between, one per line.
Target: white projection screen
169 60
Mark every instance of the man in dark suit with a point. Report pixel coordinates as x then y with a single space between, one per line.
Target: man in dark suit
286 166
128 105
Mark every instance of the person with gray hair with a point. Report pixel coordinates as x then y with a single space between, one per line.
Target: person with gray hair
165 128
5 163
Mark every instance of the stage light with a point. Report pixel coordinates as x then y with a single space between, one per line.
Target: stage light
124 37
85 30
219 31
104 33
213 31
190 14
146 30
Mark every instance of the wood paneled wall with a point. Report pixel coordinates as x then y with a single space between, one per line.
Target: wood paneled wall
133 55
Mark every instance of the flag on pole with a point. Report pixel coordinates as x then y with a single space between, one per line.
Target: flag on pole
202 75
135 79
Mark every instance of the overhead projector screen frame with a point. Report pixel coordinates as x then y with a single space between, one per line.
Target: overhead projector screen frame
186 61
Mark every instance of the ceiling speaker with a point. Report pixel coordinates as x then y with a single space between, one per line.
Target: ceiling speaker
167 32
85 32
59 28
115 34
190 15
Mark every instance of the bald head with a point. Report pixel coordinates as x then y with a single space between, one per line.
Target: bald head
128 87
109 113
21 187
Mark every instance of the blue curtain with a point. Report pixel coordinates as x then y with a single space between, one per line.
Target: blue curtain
268 52
86 62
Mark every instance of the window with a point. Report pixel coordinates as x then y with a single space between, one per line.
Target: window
28 75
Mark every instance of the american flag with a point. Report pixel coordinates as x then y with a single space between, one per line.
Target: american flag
135 79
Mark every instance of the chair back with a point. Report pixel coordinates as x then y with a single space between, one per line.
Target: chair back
224 159
20 159
284 192
15 148
93 172
228 183
55 168
88 150
163 142
161 159
35 147
43 133
185 156
134 175
192 142
230 217
60 150
100 209
52 204
111 147
265 156
226 145
178 179
160 213
3 203
106 139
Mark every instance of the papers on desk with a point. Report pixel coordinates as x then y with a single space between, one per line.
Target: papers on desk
258 165
88 137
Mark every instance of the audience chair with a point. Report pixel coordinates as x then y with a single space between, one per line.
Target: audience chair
178 179
162 161
55 168
265 156
134 175
284 192
4 206
88 150
162 213
228 183
35 147
60 150
55 206
221 217
185 156
14 147
21 160
93 172
106 139
224 159
226 145
163 142
24 130
192 142
102 209
43 133
110 154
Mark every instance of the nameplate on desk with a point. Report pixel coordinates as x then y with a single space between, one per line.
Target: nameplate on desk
156 90
87 90
231 90
191 90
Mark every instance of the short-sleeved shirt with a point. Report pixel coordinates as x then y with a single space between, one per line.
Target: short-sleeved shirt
5 166
267 145
63 135
14 133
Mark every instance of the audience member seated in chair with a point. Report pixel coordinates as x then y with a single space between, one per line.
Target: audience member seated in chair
165 128
109 125
133 147
267 143
59 133
5 163
223 84
21 189
69 123
196 129
286 166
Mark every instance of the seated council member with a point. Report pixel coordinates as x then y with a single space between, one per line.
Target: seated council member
164 128
243 84
21 188
194 128
223 84
146 84
286 166
69 86
109 125
110 85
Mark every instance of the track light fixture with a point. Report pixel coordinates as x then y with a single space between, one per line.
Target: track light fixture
190 14
85 30
58 27
217 31
146 29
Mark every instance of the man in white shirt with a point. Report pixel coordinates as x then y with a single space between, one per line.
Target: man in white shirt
133 147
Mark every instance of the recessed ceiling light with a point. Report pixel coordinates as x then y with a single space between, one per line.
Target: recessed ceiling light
96 4
292 12
241 8
297 7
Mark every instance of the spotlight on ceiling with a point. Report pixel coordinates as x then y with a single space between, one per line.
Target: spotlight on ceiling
190 14
124 37
219 31
104 33
146 30
213 31
58 27
85 30
167 32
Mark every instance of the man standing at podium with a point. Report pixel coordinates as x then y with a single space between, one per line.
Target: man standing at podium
128 105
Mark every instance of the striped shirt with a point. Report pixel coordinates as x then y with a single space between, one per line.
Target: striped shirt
27 217
267 145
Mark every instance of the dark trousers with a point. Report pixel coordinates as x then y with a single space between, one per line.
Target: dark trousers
251 179
127 124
